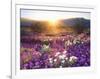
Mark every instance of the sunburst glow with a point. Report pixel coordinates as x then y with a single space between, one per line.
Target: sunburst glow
53 24
53 21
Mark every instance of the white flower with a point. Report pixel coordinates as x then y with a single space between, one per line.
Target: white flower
46 46
63 61
73 58
57 53
69 43
64 52
74 41
66 58
62 56
55 60
50 59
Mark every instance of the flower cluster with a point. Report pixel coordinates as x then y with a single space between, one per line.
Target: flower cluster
56 52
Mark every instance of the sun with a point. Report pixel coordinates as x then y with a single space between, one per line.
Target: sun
53 25
53 21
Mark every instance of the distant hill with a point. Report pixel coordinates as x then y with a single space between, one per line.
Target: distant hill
77 24
76 21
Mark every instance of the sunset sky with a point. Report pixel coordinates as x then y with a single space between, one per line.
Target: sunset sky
52 15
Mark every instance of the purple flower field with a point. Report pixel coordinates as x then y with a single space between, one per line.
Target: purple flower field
54 40
56 52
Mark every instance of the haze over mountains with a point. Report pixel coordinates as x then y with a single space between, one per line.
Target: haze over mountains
74 21
77 25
